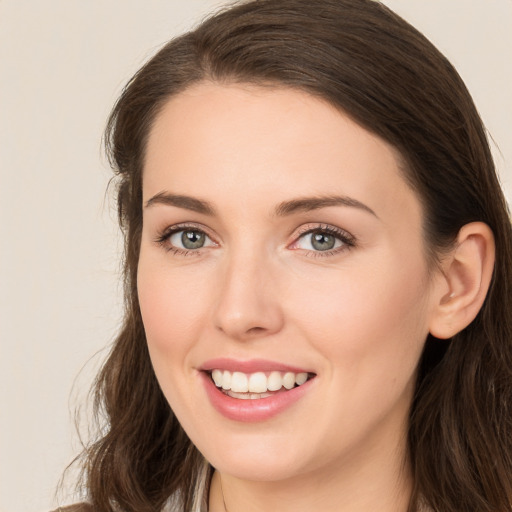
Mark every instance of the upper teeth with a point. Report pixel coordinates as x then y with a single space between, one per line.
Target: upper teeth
257 382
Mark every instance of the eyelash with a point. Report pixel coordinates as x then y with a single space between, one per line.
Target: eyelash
163 239
347 240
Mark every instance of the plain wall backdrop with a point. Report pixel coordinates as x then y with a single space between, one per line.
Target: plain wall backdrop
62 65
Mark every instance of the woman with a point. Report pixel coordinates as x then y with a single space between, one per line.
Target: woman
318 275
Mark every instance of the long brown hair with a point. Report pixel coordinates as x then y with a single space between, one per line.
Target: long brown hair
375 67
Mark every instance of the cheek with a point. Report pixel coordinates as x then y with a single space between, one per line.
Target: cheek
369 320
370 328
171 304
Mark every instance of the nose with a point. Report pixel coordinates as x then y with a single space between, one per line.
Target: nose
248 305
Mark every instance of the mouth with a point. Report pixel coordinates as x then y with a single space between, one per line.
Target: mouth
257 385
255 390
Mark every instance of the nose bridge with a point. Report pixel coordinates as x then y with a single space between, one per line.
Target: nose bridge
248 303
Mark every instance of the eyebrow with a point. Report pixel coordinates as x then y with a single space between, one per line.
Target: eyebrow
181 201
283 209
307 204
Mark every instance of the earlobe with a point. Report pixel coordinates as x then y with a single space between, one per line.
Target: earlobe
467 274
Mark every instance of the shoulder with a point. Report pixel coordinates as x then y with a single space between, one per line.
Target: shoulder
78 507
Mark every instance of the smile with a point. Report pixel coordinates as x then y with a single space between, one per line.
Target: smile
256 385
256 390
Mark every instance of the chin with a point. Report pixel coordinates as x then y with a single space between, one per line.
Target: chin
255 460
263 470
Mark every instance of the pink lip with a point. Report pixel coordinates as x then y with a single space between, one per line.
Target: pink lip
251 410
251 366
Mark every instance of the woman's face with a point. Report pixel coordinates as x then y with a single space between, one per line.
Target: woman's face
280 242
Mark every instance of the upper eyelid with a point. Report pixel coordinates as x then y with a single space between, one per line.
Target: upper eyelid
312 227
184 226
303 229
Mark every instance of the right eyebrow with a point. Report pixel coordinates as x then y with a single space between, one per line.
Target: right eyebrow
181 201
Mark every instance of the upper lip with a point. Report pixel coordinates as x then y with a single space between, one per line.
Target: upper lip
249 366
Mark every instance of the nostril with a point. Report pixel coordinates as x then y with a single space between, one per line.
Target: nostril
255 330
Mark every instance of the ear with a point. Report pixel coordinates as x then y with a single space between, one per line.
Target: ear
465 279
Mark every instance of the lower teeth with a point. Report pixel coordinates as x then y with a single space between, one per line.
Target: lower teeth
251 396
246 396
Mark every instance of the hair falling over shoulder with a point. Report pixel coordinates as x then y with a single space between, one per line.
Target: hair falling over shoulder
371 64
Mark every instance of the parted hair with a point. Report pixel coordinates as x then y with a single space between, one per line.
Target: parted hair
376 68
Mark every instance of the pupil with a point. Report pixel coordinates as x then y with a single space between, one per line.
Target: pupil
322 241
192 239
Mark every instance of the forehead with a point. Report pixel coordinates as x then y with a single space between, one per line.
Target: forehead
254 145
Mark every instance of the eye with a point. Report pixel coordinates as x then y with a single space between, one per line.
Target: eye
323 239
188 239
319 241
183 239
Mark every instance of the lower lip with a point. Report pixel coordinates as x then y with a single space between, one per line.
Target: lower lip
259 409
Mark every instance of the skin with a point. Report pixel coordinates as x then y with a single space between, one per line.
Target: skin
357 317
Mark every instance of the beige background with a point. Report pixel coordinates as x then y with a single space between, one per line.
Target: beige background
62 64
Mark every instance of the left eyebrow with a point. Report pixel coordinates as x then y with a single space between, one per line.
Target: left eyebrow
307 204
